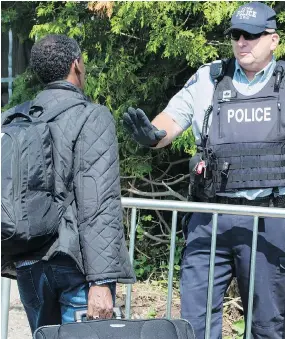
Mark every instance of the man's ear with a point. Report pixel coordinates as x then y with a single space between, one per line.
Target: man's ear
77 67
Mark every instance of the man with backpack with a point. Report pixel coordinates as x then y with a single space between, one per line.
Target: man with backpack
236 108
62 234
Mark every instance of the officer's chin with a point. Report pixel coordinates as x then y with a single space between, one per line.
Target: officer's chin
245 59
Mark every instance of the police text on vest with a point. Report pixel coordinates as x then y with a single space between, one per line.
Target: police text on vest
250 115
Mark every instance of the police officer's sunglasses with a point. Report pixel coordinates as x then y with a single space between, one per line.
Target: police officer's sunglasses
236 34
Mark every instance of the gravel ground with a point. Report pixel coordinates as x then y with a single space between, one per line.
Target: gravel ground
18 327
147 301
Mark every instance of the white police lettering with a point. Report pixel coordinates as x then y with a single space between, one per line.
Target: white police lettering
246 13
247 115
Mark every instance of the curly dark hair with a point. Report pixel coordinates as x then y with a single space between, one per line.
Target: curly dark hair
52 56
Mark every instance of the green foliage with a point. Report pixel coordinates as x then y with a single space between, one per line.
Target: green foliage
25 87
151 313
20 16
185 141
137 53
140 55
154 260
239 328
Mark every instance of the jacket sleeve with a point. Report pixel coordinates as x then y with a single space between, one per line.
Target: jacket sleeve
97 191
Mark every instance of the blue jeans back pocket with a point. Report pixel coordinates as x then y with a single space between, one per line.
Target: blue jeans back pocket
27 290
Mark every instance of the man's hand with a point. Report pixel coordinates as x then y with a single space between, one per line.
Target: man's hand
138 125
100 302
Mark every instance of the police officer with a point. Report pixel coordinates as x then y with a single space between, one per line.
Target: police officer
237 112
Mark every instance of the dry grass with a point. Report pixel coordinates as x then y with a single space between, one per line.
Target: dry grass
101 7
149 301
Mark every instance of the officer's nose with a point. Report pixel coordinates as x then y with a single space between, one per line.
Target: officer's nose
241 41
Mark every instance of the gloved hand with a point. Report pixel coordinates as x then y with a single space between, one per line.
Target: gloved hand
142 131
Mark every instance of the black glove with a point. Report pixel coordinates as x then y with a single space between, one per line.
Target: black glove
138 125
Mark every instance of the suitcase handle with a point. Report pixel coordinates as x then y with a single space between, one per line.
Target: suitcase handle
81 315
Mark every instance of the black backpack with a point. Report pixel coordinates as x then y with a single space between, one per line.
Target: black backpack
30 216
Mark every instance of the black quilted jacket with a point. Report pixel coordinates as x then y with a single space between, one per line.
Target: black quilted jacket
86 154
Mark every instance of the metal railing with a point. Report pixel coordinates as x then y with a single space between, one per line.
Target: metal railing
5 283
10 78
175 207
215 209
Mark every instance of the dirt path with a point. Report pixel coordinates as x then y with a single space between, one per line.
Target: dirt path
148 301
18 327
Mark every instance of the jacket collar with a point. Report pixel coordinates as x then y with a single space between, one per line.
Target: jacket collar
65 85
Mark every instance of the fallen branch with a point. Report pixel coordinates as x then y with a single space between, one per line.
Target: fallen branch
176 194
234 302
170 165
183 177
155 194
142 253
153 237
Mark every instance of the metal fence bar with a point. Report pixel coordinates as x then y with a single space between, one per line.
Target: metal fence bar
211 276
171 264
215 209
6 283
5 303
7 79
10 69
131 253
184 206
252 277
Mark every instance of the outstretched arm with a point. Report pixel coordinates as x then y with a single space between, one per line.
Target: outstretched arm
163 121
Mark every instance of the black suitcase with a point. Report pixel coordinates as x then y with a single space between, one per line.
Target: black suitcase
117 329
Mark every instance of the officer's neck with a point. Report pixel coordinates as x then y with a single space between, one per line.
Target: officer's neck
250 74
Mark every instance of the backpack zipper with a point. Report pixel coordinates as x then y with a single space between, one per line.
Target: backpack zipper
44 163
16 173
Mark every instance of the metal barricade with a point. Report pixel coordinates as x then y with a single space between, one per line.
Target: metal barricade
175 207
215 209
10 78
5 283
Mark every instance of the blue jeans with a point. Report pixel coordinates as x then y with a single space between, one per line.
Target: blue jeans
51 291
233 254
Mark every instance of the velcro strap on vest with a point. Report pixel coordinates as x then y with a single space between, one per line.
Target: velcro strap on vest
250 177
277 150
243 164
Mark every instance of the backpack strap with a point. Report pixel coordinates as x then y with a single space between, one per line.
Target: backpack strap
24 107
68 200
21 110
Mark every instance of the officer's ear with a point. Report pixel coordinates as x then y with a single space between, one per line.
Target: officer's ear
274 41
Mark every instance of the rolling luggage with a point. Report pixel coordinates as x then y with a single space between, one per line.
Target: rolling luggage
117 328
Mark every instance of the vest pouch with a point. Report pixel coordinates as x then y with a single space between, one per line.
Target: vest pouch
203 189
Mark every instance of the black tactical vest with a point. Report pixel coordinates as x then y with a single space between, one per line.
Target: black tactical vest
247 135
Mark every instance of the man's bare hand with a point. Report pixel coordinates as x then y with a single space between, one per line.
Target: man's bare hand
100 302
